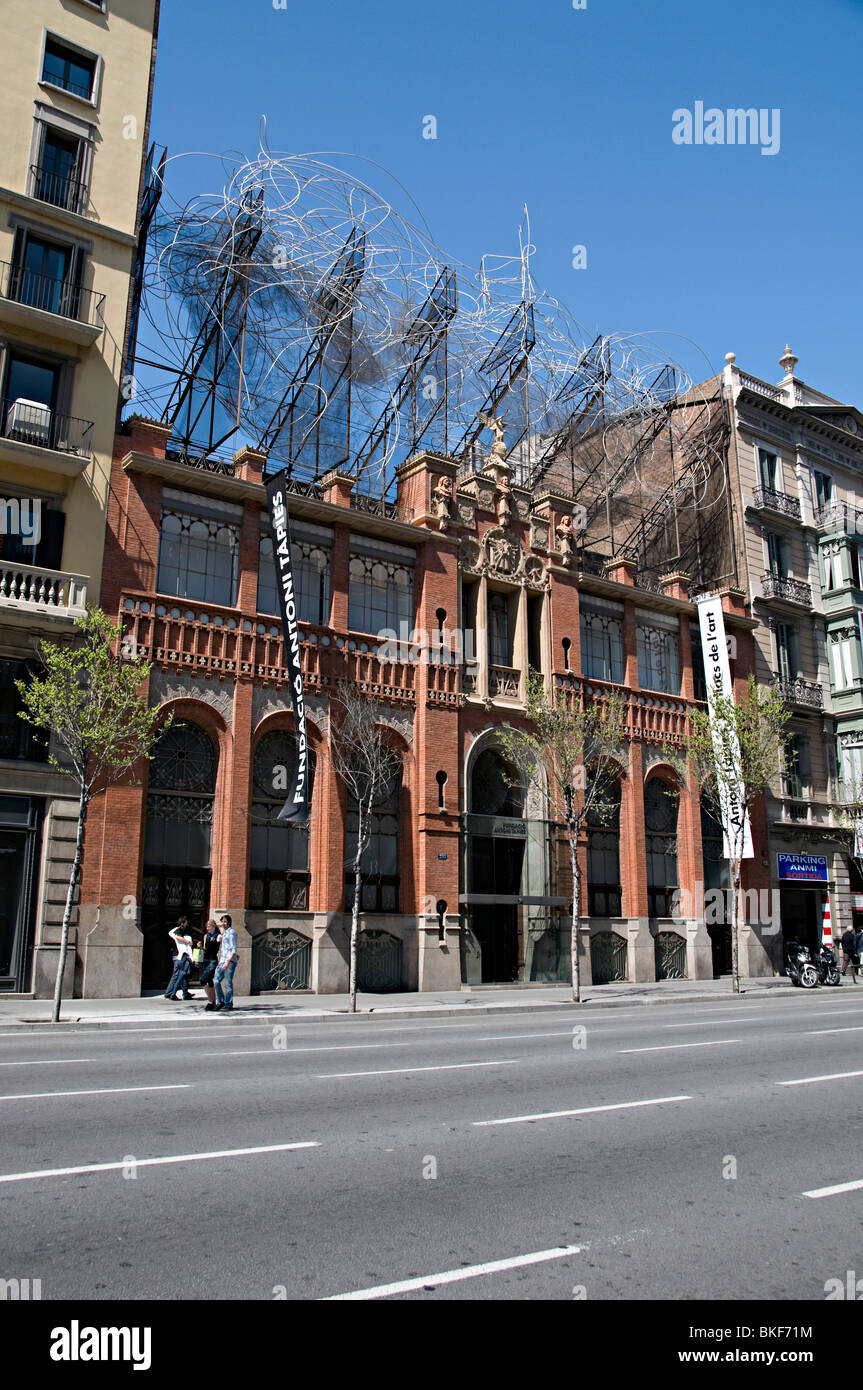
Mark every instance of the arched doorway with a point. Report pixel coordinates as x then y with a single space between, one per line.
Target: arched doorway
279 873
661 805
380 861
178 842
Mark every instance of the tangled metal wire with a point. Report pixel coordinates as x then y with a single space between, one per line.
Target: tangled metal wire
313 318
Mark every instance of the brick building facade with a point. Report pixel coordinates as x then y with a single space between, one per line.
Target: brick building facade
437 605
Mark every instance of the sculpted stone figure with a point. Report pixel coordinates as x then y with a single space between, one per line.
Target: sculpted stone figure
498 448
442 502
504 502
564 534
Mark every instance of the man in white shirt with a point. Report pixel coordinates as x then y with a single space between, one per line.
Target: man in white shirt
228 958
182 939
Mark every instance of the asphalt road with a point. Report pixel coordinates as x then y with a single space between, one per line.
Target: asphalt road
660 1153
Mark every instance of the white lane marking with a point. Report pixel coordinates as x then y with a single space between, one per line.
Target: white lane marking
675 1047
585 1110
706 1022
108 1091
833 1076
50 1062
152 1162
454 1276
852 1028
398 1071
361 1047
834 1191
280 1051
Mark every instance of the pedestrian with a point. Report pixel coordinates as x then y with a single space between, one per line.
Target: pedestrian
850 954
212 941
858 947
228 958
181 935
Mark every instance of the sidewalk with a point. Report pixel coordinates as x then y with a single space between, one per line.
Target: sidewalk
23 1014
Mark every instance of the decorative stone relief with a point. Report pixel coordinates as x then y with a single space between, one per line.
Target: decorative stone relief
470 555
266 701
466 506
401 722
538 533
502 553
166 685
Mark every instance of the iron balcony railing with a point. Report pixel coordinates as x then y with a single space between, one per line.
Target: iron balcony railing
60 190
784 587
796 691
29 422
62 297
777 502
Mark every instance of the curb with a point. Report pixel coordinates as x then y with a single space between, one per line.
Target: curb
264 1017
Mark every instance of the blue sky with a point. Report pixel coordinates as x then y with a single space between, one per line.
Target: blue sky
570 111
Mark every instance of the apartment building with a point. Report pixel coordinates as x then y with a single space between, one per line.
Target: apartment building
796 474
74 109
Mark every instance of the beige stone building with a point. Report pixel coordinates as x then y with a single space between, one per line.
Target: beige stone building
796 476
74 110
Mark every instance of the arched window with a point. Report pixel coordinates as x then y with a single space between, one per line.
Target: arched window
180 795
380 861
494 787
603 858
660 824
279 859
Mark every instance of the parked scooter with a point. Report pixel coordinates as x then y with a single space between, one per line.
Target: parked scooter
827 966
799 966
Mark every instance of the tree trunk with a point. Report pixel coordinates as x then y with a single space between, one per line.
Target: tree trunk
67 911
355 910
735 944
576 895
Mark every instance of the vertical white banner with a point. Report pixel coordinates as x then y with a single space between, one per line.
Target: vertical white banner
717 674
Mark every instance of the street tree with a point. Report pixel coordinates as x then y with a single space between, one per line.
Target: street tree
366 766
736 751
87 703
572 754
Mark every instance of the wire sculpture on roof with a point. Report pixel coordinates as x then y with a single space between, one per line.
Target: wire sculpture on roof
296 310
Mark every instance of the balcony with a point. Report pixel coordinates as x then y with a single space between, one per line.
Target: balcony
505 681
36 435
788 590
56 307
216 641
27 592
61 191
807 694
837 516
768 499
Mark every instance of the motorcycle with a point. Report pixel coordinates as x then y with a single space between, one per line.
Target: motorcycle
799 966
827 966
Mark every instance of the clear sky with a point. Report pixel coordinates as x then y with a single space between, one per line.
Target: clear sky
570 111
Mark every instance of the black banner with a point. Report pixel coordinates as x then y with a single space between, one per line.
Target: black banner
296 808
